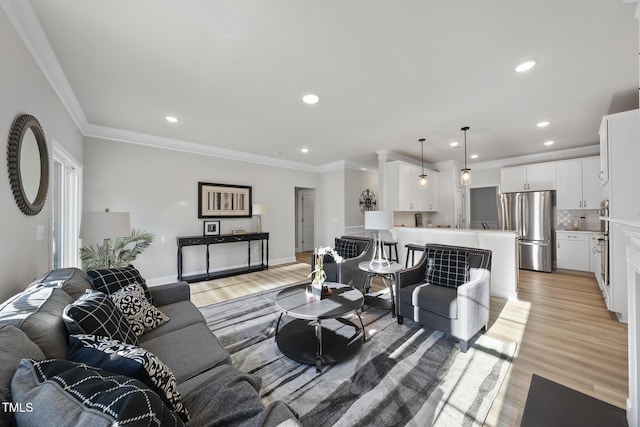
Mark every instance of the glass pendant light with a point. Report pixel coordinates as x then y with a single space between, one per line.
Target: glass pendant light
465 174
423 180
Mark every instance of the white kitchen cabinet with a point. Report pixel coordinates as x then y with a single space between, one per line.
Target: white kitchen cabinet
572 250
603 174
578 184
402 192
533 177
624 204
594 253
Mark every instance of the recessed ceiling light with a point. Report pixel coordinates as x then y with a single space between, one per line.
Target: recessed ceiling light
304 150
474 156
172 119
549 142
454 144
310 98
525 66
543 124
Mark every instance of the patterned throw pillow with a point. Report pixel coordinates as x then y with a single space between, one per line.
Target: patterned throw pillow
346 248
110 280
134 362
447 267
140 313
61 392
95 313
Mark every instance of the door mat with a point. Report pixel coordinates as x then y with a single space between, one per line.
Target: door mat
550 404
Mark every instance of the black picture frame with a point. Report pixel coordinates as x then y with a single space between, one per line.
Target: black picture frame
223 200
211 228
419 220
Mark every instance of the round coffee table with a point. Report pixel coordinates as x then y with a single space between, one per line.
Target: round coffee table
305 339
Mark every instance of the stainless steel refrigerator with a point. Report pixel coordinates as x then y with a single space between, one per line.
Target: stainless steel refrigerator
530 214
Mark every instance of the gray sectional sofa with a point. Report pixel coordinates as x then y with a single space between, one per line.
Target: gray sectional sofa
212 389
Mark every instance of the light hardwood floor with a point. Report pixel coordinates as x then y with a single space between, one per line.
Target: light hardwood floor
559 321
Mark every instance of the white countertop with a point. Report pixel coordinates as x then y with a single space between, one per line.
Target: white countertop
579 231
455 230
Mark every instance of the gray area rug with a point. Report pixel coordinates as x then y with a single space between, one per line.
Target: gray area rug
403 374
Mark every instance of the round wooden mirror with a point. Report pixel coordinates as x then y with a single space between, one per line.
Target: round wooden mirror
28 162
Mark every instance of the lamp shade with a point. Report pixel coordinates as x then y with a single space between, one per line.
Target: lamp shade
258 209
377 220
105 225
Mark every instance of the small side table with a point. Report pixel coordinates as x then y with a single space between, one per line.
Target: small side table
388 274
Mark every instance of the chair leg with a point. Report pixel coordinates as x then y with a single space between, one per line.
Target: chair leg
464 346
400 319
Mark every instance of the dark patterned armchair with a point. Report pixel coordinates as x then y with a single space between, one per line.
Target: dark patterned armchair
354 250
448 290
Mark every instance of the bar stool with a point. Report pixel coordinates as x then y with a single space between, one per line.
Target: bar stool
411 250
392 246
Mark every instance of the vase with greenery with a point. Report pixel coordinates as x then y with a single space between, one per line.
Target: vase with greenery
318 274
113 253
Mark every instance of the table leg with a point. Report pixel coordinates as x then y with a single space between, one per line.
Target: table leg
278 324
389 281
318 347
364 338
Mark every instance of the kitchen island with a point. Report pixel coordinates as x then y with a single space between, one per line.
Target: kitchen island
503 245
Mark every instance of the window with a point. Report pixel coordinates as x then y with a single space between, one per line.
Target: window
66 208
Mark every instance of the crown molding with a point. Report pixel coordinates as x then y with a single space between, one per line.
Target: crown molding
550 156
24 20
112 134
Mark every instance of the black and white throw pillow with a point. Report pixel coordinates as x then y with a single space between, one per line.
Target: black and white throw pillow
110 280
139 312
346 248
447 267
135 362
62 392
95 313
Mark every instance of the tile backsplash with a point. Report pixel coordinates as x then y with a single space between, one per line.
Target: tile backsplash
565 219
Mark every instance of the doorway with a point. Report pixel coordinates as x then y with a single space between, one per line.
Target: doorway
483 208
305 219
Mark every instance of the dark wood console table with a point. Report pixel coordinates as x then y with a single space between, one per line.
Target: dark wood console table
225 238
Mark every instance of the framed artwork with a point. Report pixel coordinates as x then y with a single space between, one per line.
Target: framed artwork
418 220
223 200
212 228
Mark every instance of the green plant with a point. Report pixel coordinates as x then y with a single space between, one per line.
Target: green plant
116 252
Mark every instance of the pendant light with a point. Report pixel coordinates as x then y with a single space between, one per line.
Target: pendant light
423 180
465 174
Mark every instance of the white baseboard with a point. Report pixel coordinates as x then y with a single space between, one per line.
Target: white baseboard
155 281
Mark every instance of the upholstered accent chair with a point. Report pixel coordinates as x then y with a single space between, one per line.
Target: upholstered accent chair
447 290
354 250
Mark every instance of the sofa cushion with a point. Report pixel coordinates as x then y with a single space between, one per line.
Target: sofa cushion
110 280
61 392
95 313
441 300
346 248
134 362
182 314
195 344
447 267
15 345
139 312
73 281
38 313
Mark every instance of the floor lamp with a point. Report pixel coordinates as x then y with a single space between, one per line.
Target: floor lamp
378 221
106 226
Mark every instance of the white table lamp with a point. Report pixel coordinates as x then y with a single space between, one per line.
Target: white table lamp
259 209
378 220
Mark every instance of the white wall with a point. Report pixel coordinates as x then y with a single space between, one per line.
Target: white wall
25 90
330 207
159 188
356 181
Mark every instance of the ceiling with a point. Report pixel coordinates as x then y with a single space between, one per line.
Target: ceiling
387 73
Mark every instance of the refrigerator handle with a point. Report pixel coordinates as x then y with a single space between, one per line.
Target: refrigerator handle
534 243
